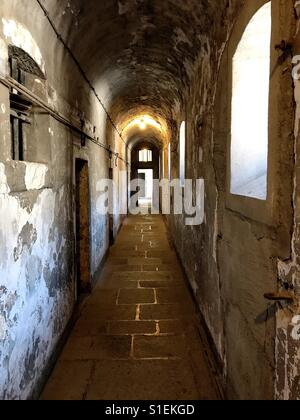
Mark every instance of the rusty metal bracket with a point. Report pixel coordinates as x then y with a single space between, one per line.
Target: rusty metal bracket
287 51
279 296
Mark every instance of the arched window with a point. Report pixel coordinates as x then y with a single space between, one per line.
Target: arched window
182 141
250 108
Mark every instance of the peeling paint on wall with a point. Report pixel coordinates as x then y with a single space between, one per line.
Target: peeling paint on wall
37 262
35 176
4 188
3 328
19 36
296 330
287 385
26 249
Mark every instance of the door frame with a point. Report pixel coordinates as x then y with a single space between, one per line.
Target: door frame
86 286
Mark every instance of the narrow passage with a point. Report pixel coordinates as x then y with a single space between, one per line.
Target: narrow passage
137 336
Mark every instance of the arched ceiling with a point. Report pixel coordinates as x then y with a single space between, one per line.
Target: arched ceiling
140 53
136 140
142 123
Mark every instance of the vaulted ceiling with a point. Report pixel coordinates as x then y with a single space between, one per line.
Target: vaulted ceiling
140 53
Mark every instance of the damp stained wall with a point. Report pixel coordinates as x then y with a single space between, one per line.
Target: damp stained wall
37 207
287 383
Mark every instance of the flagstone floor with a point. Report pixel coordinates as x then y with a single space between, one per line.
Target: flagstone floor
138 336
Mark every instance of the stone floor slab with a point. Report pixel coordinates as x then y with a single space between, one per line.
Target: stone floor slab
160 347
163 312
172 326
97 348
144 380
132 327
69 381
110 313
136 296
174 295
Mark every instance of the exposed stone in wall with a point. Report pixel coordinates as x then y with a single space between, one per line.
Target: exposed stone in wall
20 37
288 321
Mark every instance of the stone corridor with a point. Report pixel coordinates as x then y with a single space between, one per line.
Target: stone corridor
192 106
137 336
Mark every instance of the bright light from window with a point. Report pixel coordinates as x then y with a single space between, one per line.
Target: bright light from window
145 156
182 152
250 108
143 125
170 162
